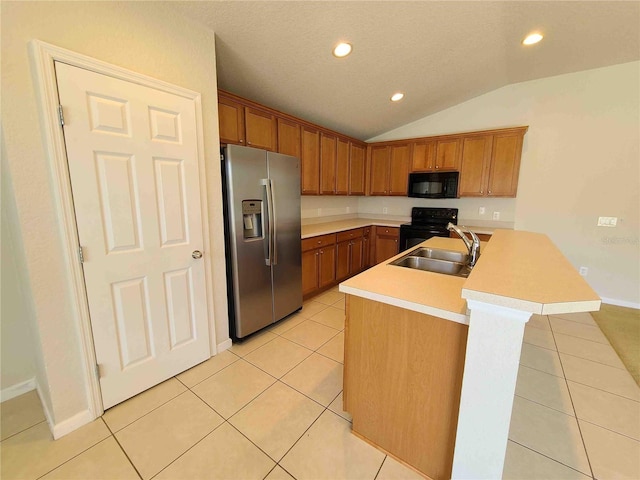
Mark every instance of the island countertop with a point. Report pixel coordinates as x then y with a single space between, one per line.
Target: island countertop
516 269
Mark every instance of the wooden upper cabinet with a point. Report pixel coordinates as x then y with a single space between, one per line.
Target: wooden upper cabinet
448 153
310 162
423 157
379 180
231 121
261 129
474 172
505 165
328 145
357 170
399 169
289 142
342 167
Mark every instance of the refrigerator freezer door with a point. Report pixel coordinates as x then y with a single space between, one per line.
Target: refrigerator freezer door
245 170
284 173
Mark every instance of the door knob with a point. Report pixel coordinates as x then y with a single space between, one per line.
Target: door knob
196 254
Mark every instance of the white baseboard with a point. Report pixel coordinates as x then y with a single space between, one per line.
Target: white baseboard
18 389
70 424
620 303
60 429
226 345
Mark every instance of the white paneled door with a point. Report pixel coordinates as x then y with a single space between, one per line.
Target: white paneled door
133 162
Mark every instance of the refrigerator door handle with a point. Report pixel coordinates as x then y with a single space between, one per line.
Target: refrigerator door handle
267 186
274 224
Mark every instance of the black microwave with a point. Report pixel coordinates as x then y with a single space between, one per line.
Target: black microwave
433 185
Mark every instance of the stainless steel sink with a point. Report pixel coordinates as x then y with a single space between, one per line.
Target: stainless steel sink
435 253
448 262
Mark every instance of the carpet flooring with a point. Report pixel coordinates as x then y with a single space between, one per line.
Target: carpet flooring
621 326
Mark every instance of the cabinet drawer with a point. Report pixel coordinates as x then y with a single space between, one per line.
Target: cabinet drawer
319 241
391 231
349 234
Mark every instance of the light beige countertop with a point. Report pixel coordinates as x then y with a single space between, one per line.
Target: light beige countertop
342 225
520 270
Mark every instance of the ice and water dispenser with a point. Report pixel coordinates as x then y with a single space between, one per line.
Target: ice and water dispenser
252 219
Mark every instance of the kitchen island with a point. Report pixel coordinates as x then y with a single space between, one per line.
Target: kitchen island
431 360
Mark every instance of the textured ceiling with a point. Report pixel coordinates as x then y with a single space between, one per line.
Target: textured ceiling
439 53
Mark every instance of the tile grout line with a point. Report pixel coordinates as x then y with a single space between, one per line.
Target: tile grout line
551 458
380 467
547 406
123 450
23 430
584 445
570 354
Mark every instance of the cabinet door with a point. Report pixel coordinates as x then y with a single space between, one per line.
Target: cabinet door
310 164
328 145
476 155
261 129
289 138
399 170
327 266
356 260
342 167
505 165
343 259
357 170
310 271
423 157
231 121
386 243
448 154
366 250
379 170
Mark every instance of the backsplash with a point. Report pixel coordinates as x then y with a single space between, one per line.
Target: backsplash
317 208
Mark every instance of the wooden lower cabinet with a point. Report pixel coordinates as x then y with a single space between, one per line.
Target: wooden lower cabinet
349 253
386 240
402 382
318 263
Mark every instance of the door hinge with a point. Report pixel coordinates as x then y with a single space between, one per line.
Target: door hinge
98 373
60 115
221 157
80 254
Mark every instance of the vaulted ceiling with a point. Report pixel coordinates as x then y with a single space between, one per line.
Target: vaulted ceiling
439 53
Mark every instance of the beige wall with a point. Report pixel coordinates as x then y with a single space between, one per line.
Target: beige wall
580 161
141 36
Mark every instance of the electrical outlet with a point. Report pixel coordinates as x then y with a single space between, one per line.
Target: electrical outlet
385 209
481 210
584 271
496 215
607 221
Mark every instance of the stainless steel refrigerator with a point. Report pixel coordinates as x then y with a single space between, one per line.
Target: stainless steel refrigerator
261 193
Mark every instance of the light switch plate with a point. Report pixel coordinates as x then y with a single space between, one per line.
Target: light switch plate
496 215
481 210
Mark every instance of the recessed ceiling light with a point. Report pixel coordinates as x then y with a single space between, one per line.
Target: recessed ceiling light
532 38
396 97
342 50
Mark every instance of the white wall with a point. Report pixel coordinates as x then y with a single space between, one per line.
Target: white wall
580 161
145 37
17 359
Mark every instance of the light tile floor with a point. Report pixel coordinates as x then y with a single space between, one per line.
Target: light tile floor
271 407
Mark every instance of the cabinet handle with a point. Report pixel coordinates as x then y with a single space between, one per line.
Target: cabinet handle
481 191
316 254
437 166
489 192
321 252
248 143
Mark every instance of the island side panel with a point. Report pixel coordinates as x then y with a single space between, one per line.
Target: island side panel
402 382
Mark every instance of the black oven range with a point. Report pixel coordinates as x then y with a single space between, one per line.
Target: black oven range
425 223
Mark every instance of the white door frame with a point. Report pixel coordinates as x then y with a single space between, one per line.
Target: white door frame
44 55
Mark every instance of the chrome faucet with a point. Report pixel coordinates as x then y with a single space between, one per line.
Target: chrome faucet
472 245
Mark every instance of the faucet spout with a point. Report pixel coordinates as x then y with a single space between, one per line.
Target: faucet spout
472 245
